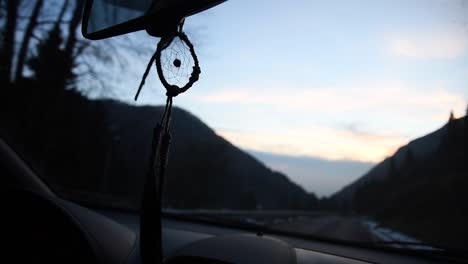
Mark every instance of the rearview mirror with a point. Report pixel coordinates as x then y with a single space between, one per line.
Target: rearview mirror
108 18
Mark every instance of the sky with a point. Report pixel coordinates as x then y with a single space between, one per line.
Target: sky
342 82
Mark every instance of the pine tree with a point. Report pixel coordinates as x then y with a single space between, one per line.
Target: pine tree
50 65
409 161
466 136
392 169
8 42
466 112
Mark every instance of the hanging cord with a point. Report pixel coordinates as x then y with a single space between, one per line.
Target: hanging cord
151 209
166 117
143 79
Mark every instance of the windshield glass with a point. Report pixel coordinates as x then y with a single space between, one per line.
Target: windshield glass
343 120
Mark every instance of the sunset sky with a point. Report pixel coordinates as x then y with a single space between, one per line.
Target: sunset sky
329 80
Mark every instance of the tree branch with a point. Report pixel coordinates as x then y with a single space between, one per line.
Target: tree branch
81 48
48 22
26 38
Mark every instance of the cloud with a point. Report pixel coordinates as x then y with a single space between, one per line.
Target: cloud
331 144
362 122
394 96
398 111
431 45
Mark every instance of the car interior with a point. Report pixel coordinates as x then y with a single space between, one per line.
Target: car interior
42 226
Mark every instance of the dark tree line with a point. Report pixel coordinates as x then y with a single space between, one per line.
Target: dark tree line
28 27
31 25
74 143
42 112
8 40
424 196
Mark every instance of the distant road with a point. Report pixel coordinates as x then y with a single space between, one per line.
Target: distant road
317 223
328 226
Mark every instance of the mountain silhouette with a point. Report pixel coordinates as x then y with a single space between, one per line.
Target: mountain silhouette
204 170
97 151
422 187
422 147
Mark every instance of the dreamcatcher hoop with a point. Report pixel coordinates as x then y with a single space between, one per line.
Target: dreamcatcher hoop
172 90
164 43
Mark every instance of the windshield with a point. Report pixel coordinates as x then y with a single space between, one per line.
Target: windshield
343 120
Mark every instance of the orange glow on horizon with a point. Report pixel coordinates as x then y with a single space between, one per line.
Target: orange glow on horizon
330 145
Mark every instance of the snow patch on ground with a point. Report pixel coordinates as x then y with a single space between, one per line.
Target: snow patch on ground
389 235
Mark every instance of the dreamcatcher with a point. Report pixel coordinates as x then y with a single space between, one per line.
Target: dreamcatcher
176 64
178 69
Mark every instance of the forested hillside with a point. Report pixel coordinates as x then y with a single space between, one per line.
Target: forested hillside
423 186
